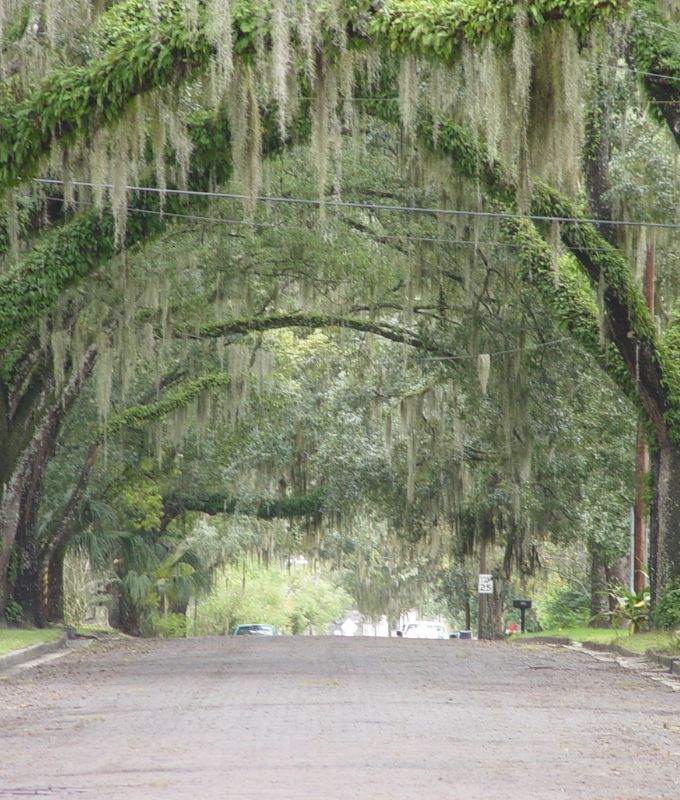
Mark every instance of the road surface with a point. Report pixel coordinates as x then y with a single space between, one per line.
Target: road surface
295 718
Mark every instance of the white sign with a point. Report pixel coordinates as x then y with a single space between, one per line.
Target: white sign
485 584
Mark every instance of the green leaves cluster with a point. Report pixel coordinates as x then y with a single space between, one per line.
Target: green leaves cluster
75 101
176 398
437 29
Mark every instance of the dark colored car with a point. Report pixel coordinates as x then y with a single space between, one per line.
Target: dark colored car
254 630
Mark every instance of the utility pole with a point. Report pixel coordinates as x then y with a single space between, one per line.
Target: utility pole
642 454
481 598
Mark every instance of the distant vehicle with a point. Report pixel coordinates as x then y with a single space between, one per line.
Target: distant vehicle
424 629
254 629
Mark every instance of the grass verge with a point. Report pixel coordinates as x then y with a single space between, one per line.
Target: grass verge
12 639
660 641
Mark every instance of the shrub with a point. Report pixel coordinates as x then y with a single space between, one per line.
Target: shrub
631 609
14 612
565 608
168 626
667 614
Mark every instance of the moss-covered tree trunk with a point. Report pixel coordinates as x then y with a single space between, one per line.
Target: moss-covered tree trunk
598 590
27 589
54 588
664 562
32 421
25 424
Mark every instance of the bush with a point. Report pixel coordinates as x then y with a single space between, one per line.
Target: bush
631 609
168 626
292 600
14 612
565 608
667 614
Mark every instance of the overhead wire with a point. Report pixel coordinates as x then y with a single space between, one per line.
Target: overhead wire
330 203
537 346
380 237
664 28
465 357
632 70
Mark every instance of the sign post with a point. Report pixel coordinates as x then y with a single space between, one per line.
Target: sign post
484 587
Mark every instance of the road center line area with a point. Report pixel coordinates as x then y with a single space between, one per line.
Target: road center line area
334 718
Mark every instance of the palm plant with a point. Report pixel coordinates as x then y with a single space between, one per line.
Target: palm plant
631 609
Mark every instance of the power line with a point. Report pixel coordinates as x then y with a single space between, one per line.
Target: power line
302 228
380 237
369 206
538 346
632 70
664 28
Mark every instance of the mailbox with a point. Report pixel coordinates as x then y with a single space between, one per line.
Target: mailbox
523 605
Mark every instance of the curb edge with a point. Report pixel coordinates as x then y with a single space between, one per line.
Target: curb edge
26 654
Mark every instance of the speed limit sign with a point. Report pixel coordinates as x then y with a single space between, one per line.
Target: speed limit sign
485 584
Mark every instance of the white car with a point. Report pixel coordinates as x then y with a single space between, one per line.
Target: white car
425 629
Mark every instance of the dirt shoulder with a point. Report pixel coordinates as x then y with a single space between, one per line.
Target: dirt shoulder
337 718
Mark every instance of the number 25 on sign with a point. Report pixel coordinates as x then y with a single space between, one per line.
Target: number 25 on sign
485 584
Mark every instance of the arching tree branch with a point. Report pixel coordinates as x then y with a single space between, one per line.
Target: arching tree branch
653 49
276 321
75 101
306 505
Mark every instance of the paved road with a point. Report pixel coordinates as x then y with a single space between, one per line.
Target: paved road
337 719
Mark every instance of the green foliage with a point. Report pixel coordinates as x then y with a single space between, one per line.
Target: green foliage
141 504
139 57
566 291
630 608
656 50
257 289
176 398
167 626
13 612
564 608
17 26
437 29
293 600
636 643
75 101
667 611
642 170
59 260
17 639
569 297
296 506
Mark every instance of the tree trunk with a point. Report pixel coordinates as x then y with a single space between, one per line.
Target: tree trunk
664 561
30 426
597 153
53 549
54 597
28 589
599 604
22 461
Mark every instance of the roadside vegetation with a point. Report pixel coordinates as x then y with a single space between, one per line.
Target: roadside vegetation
15 639
658 641
295 600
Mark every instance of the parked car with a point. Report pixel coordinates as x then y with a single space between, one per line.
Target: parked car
425 629
254 629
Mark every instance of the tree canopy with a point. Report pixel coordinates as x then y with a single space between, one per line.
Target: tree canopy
380 269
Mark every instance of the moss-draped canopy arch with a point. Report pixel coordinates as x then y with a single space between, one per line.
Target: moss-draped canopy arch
74 101
147 55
